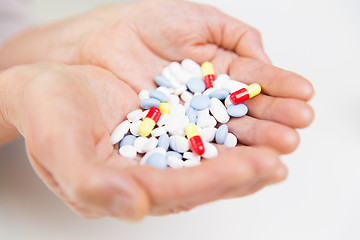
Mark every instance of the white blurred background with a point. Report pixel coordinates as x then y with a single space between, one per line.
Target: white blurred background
320 199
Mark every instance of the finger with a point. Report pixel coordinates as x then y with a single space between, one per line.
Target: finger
291 112
251 131
274 81
182 189
232 34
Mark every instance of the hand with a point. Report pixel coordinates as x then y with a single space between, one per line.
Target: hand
66 114
136 41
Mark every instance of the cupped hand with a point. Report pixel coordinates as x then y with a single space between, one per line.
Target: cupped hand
136 41
66 114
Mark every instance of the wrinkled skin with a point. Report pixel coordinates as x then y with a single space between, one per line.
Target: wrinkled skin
74 108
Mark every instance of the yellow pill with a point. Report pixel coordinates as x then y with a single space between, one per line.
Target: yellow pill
164 108
207 69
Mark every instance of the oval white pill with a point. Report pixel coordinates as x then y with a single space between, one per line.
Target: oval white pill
169 76
144 94
227 101
210 151
128 151
191 156
191 163
186 96
175 162
134 128
230 140
158 131
179 144
173 100
192 67
150 145
208 91
135 115
144 114
177 110
139 144
180 89
232 85
163 119
218 110
119 132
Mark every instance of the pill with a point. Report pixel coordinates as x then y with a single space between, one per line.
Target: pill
191 156
158 95
158 131
149 103
134 128
179 143
220 94
245 93
195 141
210 151
227 101
208 91
200 102
119 132
238 110
218 110
162 81
157 160
164 141
148 154
164 108
128 151
144 94
166 91
208 74
174 162
181 75
163 119
230 140
205 121
144 114
128 140
232 85
180 89
173 100
186 96
134 115
173 154
191 163
168 75
177 110
192 67
150 145
191 114
221 134
208 133
149 122
139 144
196 85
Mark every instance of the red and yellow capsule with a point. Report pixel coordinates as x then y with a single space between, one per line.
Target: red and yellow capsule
196 143
149 121
208 74
245 93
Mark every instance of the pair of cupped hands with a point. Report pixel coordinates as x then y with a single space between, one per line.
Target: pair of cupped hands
92 67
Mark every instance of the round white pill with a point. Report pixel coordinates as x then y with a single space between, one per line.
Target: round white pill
191 163
180 89
119 132
191 156
144 94
179 143
135 115
208 134
218 110
134 128
175 162
173 100
230 140
139 144
210 151
177 110
150 145
163 119
128 151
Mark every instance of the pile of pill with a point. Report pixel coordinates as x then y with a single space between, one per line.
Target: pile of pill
187 125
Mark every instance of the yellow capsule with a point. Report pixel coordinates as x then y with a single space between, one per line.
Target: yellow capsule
253 89
164 108
207 69
191 130
146 127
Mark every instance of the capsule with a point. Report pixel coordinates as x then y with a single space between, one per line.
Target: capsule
164 108
208 74
196 143
245 93
149 121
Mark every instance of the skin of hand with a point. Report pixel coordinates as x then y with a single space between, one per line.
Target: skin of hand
135 41
66 114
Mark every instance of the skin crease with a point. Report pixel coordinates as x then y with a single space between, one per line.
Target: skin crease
90 102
